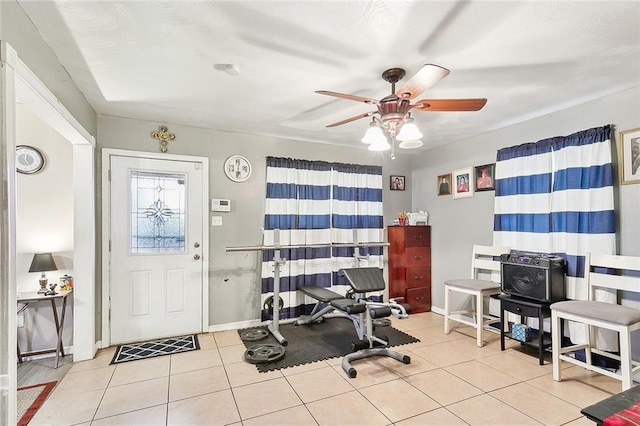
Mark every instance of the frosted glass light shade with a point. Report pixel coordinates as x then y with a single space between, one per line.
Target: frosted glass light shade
374 135
410 144
409 132
380 146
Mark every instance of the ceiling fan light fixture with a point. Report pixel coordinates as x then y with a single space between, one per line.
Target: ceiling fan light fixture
417 143
409 131
380 146
374 135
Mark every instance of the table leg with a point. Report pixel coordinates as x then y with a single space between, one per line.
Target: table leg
58 329
502 324
540 337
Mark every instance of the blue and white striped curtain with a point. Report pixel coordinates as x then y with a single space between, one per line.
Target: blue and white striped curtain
316 202
556 196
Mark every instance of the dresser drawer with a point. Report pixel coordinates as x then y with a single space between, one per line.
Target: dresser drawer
417 236
419 299
417 257
418 277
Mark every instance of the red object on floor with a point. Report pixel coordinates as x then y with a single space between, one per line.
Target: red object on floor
629 416
37 402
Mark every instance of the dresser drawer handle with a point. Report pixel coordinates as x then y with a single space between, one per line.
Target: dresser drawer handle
417 257
417 237
418 278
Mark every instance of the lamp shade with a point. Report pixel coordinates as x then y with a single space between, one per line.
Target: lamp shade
374 135
410 144
43 262
409 132
380 146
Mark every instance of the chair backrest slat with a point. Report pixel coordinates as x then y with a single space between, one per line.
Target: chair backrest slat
603 279
484 259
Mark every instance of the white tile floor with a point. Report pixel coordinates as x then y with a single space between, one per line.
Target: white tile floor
450 381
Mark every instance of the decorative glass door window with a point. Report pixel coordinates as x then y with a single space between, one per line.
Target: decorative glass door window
158 212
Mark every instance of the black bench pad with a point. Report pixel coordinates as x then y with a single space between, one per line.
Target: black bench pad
349 306
320 293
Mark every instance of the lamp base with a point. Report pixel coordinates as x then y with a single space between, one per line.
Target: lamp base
43 284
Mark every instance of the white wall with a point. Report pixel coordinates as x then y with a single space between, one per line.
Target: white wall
44 224
458 224
234 282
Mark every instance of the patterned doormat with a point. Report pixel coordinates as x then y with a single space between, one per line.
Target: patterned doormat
30 399
315 342
154 348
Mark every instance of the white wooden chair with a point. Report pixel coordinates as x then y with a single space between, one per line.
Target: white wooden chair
482 262
610 316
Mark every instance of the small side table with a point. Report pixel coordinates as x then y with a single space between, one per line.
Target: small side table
526 308
32 297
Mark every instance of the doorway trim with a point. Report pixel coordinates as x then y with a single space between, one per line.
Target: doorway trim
19 83
107 153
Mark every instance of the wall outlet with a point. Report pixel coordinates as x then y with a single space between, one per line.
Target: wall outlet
20 321
216 220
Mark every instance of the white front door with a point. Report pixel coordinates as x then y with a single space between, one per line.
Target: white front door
156 209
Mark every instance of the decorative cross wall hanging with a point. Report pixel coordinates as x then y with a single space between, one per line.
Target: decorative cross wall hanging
163 135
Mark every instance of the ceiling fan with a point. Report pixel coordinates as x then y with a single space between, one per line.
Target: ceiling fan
393 113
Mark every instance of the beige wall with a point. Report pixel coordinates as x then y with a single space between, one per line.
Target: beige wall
234 281
458 224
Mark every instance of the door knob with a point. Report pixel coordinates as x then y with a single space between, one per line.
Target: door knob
196 257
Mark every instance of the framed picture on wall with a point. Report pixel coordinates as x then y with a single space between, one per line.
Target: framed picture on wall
484 177
443 184
629 156
396 183
462 184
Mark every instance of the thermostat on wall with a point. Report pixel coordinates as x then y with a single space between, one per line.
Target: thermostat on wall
220 205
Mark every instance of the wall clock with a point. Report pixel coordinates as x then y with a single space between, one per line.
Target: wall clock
237 168
28 159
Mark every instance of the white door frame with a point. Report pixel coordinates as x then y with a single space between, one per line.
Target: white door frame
19 83
107 153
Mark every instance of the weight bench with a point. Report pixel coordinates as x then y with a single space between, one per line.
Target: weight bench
322 307
361 311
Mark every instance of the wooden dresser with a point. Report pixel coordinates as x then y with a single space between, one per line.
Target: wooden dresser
410 265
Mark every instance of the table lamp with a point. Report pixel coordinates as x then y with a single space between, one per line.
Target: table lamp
43 262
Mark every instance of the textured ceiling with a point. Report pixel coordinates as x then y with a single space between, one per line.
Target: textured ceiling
155 60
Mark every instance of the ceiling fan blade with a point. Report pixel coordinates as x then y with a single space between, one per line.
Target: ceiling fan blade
348 97
424 79
450 104
349 120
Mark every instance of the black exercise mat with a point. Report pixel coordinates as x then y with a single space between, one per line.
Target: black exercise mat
154 348
316 342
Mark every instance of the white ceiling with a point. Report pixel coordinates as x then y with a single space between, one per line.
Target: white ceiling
155 60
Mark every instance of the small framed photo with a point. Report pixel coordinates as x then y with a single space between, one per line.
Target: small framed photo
462 185
629 156
444 184
396 183
484 177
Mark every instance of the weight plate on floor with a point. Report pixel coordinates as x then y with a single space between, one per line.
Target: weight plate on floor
381 322
262 353
254 335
